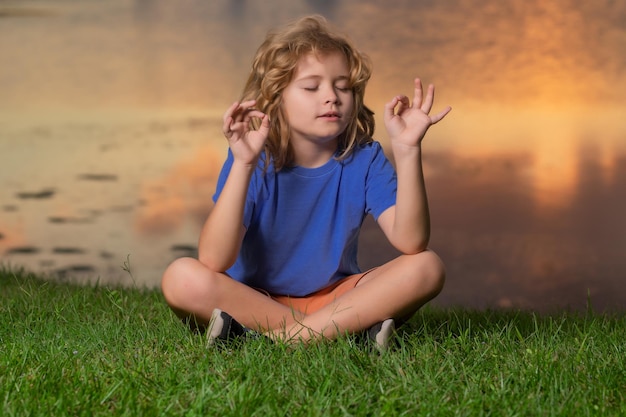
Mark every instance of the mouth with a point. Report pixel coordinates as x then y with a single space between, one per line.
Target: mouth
331 115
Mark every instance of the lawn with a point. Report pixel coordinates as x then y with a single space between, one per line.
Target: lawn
94 350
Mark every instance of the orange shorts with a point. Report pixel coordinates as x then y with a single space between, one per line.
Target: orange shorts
313 302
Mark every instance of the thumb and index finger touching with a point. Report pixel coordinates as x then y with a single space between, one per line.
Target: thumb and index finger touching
239 115
424 103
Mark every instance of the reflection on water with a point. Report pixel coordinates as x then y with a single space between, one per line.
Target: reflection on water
110 137
546 254
184 192
503 248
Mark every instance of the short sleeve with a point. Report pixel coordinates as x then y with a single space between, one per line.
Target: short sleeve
381 183
221 180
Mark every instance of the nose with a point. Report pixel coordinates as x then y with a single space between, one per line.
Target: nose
331 96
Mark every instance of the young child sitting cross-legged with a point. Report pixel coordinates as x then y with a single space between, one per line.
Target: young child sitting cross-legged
278 251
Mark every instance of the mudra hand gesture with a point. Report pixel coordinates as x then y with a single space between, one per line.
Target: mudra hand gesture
407 123
245 143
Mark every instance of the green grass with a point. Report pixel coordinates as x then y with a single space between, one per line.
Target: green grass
93 350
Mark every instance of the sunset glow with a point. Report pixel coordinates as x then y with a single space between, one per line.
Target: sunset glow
111 114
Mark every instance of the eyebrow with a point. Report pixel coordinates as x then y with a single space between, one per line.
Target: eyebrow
317 77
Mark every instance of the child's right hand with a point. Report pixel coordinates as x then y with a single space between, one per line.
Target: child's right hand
245 143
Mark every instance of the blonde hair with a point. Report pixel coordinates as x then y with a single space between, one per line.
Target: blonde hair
273 69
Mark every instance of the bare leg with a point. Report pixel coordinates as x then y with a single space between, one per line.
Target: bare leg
395 290
193 291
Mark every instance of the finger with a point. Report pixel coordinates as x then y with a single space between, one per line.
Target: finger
245 106
242 108
228 120
229 113
226 127
247 114
401 102
418 93
404 104
430 98
264 129
253 113
389 108
248 103
436 118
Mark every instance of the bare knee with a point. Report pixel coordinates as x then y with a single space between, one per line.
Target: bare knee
430 273
185 284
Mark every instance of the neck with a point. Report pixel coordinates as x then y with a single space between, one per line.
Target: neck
314 155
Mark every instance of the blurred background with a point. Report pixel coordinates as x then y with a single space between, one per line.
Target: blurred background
110 139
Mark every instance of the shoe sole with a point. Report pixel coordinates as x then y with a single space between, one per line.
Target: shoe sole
216 326
383 337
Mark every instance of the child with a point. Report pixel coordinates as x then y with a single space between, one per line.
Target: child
278 251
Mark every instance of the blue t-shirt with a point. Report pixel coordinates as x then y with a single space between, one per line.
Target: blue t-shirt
302 224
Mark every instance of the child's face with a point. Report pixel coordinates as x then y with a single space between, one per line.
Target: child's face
318 101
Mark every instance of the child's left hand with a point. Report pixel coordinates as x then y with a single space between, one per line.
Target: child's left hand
407 124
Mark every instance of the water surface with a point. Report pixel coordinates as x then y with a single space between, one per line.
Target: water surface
110 138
